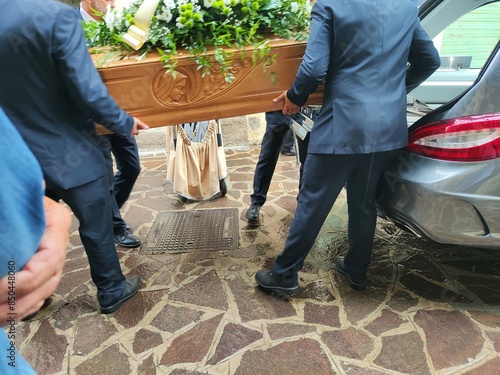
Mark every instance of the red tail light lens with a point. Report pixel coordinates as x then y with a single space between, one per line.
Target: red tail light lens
470 138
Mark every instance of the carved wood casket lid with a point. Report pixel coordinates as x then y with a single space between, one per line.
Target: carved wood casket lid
144 89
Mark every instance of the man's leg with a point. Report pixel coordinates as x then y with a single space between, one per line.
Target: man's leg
288 146
268 158
127 161
264 170
122 235
324 178
91 204
361 188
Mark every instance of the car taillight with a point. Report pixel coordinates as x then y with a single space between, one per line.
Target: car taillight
470 138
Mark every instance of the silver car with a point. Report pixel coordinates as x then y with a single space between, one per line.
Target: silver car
445 186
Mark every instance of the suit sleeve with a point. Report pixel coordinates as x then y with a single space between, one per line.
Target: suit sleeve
312 71
423 58
81 78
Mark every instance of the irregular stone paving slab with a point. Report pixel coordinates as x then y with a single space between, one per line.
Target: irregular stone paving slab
317 291
401 301
485 289
22 333
349 343
73 281
451 338
102 330
430 290
321 314
403 353
206 290
385 322
353 369
46 350
73 265
358 305
111 361
173 318
234 337
136 308
145 339
301 357
66 315
193 345
254 304
147 366
146 269
488 318
489 368
382 324
162 278
281 331
136 216
130 260
424 266
495 339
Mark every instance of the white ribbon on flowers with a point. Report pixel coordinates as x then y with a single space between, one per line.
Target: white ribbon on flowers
137 34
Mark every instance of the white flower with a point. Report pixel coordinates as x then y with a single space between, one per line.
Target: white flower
109 19
207 3
295 7
124 4
166 14
169 4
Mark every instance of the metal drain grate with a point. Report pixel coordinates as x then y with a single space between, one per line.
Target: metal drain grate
194 230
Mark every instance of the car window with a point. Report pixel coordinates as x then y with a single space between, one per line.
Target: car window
483 98
467 42
464 46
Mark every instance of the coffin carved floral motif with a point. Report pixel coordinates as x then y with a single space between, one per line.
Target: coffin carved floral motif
187 86
141 87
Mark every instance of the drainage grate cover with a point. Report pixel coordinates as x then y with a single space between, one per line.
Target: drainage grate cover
194 230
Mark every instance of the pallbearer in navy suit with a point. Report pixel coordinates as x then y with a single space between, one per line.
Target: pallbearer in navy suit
123 148
360 49
50 89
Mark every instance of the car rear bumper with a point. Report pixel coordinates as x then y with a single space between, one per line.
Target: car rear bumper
446 202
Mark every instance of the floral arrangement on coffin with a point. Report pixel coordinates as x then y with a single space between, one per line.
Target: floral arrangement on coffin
200 26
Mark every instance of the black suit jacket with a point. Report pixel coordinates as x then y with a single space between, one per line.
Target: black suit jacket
51 90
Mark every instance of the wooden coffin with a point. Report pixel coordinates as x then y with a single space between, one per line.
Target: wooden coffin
143 89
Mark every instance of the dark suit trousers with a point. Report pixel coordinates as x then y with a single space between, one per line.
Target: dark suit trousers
127 161
268 158
324 178
91 205
288 142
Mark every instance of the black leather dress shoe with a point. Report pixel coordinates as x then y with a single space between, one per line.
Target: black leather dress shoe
354 283
268 281
288 153
126 239
128 227
253 212
132 285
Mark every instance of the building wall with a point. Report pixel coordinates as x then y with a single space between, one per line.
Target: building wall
474 35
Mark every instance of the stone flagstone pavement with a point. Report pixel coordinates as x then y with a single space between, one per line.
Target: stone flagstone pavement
427 309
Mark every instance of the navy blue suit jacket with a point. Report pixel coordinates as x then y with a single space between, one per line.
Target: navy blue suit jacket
360 50
50 89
